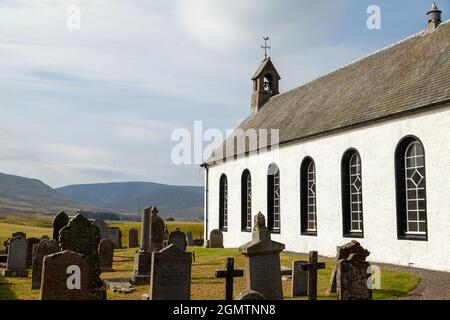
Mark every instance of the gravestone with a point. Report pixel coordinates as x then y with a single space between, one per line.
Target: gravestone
199 242
60 221
16 264
133 241
142 258
30 244
299 280
229 274
263 267
251 295
178 238
42 249
81 236
102 227
312 267
189 239
106 255
343 252
216 239
352 274
157 231
115 235
65 277
171 274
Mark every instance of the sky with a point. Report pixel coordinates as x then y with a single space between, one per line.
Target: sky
100 103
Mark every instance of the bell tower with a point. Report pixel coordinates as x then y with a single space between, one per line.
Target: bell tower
265 81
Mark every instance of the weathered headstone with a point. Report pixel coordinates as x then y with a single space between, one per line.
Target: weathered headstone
178 238
189 239
216 239
157 231
312 267
16 265
42 249
60 221
229 274
299 279
115 235
30 244
263 261
352 274
343 252
106 255
65 277
102 227
82 237
171 274
251 295
142 258
133 241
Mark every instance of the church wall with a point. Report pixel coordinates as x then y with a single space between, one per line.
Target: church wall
376 145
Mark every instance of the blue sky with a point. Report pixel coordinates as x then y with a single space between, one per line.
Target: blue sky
99 104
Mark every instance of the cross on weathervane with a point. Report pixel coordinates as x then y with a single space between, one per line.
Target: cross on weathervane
265 46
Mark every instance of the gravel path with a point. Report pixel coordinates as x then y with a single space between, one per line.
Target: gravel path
433 285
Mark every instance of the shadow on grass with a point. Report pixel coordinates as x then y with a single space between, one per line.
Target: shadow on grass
6 293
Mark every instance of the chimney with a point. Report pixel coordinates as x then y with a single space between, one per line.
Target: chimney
434 18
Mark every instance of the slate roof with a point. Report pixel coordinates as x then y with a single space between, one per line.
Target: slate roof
409 76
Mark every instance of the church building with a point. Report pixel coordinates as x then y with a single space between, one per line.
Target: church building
361 153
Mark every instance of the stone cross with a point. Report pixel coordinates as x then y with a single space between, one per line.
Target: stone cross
312 267
229 274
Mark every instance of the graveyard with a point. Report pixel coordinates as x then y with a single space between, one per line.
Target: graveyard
207 266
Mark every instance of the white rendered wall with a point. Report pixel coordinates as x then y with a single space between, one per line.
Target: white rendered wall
376 145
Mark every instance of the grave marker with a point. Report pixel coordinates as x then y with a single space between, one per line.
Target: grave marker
312 267
229 274
16 264
43 248
106 255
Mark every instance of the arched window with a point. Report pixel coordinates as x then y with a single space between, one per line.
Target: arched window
352 197
246 201
411 190
308 211
223 203
273 198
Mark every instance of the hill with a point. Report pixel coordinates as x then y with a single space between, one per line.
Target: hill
19 195
179 202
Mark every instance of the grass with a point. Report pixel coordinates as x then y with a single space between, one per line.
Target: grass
204 284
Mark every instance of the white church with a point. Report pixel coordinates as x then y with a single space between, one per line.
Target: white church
362 153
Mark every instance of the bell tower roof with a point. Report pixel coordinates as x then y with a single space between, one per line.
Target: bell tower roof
266 66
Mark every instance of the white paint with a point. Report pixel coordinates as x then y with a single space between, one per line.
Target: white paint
376 144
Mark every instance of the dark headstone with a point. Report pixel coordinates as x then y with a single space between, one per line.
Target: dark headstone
65 277
102 227
343 252
171 274
189 239
299 279
60 221
30 244
216 239
178 238
106 255
157 231
42 249
133 241
263 261
115 235
82 237
16 265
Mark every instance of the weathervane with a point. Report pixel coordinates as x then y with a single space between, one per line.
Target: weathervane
265 46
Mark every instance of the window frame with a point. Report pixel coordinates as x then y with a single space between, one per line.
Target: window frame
223 203
246 201
271 206
401 190
346 194
305 197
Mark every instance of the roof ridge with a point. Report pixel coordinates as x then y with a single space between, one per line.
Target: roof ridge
420 33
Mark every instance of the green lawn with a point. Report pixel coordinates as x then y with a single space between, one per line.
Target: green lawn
207 261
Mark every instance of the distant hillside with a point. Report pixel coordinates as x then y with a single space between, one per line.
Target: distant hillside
20 195
179 202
